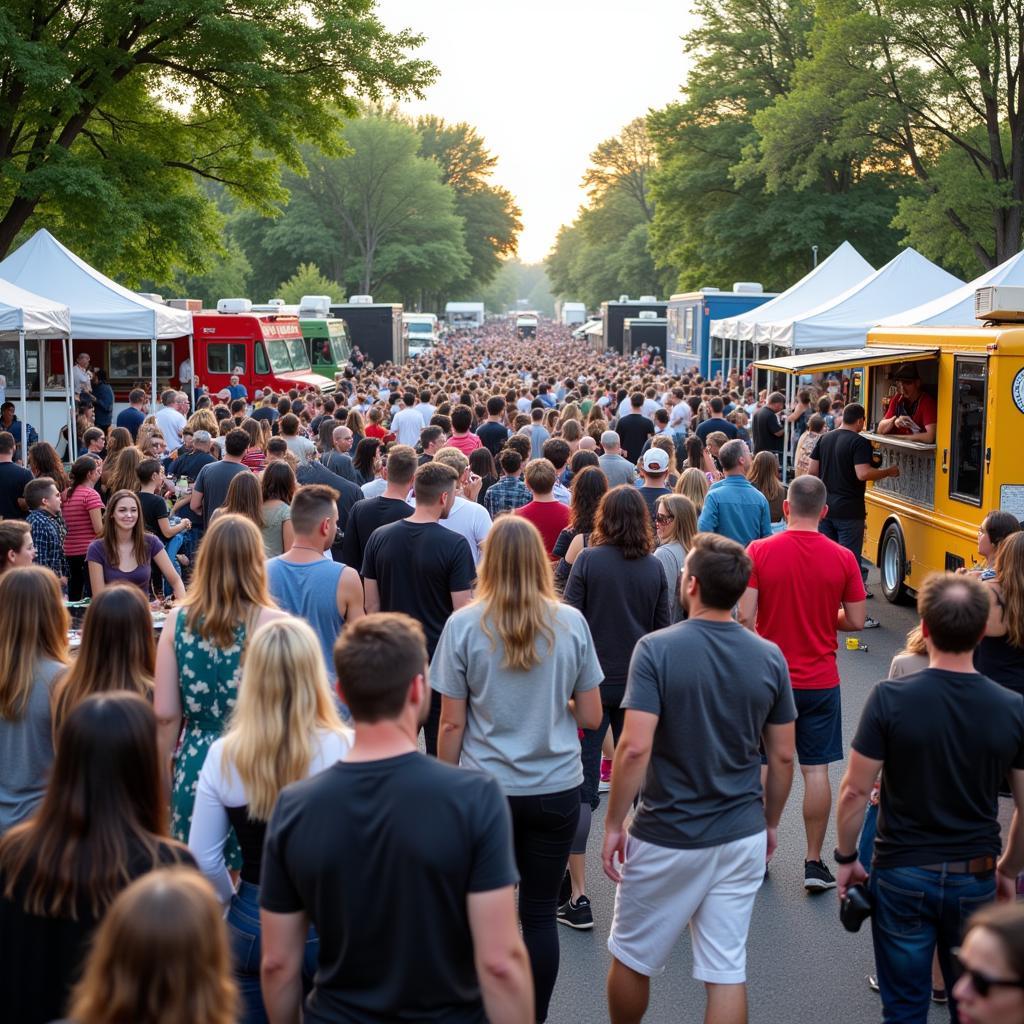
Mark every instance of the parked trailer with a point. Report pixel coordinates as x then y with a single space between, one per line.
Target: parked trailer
376 327
615 314
643 330
570 314
464 314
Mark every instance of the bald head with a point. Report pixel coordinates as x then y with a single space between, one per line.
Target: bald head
587 444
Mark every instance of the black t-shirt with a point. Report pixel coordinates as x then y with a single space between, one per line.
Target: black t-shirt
716 423
348 492
364 518
417 567
154 508
763 429
651 496
265 412
838 453
12 486
189 465
493 436
386 884
633 431
947 740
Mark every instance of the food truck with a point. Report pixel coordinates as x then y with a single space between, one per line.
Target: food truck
646 329
927 518
376 327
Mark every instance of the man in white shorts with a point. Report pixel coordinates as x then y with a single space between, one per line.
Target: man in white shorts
699 697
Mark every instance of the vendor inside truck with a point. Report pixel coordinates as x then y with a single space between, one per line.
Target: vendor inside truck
912 413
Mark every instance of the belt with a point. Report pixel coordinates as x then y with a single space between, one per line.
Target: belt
974 866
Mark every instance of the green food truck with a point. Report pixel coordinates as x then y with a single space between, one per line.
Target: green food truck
326 342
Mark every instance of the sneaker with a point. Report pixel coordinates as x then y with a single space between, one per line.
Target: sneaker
872 983
939 996
817 876
870 623
576 915
869 594
605 783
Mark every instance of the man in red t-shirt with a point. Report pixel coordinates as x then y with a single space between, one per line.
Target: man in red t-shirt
546 512
803 588
912 414
462 420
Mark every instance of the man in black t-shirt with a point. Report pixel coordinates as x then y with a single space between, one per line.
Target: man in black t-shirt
843 461
766 428
370 513
493 433
943 739
13 479
418 567
634 429
403 864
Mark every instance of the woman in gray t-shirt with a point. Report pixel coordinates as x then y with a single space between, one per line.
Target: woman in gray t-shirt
519 674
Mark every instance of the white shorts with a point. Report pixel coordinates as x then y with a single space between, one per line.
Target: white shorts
711 889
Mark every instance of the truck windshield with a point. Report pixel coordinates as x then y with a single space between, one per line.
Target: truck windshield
415 328
277 352
339 348
297 350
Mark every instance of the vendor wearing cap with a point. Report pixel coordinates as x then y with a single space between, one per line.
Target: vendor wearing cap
912 414
654 468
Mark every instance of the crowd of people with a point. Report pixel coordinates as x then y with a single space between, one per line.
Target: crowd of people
274 672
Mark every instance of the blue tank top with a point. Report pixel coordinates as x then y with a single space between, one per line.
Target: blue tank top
309 590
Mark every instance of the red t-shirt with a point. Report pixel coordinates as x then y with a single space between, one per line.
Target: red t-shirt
375 430
550 517
802 578
466 444
925 413
76 517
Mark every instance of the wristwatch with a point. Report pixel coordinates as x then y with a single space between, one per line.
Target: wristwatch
844 858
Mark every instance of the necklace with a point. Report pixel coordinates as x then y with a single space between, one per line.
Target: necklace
305 547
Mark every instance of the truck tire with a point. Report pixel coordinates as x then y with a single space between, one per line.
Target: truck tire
892 565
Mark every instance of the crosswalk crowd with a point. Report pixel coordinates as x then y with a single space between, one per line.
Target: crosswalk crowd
307 701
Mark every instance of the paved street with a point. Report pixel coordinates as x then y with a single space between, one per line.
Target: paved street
802 966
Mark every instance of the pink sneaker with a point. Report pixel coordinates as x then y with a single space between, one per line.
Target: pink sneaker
606 775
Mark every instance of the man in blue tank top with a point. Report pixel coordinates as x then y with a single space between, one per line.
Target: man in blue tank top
306 581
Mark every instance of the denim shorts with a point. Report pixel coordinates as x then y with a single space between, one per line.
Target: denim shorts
819 726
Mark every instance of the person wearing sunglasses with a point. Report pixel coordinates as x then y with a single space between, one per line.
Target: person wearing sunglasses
990 988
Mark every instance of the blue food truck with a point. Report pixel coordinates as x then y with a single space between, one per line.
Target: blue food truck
688 331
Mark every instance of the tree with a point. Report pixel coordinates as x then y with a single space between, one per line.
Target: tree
623 164
111 111
899 84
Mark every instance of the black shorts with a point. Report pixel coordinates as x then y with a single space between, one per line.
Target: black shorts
819 726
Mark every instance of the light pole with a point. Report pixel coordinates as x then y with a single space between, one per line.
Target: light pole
814 253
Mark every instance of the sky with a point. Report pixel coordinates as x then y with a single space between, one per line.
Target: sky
544 81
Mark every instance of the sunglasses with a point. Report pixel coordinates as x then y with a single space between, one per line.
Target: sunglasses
981 983
663 518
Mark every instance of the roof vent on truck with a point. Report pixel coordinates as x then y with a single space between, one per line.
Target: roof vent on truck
319 304
999 303
360 300
648 298
748 288
234 306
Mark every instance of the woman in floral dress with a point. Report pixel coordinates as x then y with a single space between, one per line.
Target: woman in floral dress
198 664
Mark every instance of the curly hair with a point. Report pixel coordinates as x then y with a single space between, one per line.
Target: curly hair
623 521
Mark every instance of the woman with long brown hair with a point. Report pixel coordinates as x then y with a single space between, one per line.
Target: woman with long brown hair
198 665
101 824
244 498
82 510
126 553
255 456
588 487
44 461
33 653
160 956
120 473
355 422
117 651
285 727
1000 655
118 438
277 486
764 475
516 648
619 586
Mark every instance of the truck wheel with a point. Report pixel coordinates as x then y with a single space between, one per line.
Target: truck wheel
892 565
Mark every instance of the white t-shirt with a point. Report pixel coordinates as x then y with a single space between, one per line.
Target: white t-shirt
171 423
81 379
470 519
407 425
679 417
218 790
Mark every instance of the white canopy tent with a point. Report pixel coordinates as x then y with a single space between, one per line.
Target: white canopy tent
29 317
101 309
843 322
840 271
956 309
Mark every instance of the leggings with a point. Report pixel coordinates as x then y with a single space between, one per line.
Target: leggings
78 577
542 831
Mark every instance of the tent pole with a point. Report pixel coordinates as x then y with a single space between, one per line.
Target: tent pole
152 355
41 363
24 397
192 363
788 427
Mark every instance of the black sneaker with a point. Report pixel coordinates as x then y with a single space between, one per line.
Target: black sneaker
577 915
817 877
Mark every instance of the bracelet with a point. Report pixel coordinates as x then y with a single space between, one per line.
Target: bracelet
844 858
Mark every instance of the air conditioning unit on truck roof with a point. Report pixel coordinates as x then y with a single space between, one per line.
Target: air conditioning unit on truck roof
234 306
315 304
999 302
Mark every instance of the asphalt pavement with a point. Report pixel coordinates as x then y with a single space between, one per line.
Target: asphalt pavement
802 966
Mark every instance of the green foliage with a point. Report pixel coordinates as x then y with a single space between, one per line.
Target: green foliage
227 278
308 280
111 112
517 284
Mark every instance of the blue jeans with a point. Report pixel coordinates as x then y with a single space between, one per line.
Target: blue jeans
915 912
243 922
848 533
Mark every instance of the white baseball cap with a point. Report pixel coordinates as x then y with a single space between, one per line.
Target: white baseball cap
655 460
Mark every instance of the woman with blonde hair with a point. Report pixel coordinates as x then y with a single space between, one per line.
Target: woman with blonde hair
204 419
145 435
33 653
693 484
355 422
117 652
153 446
160 956
1000 655
516 646
569 412
675 523
255 456
198 661
285 727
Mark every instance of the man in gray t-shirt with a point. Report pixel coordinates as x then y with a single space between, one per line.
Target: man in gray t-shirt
700 697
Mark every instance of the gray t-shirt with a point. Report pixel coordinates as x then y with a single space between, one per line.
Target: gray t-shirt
714 686
617 469
518 725
26 750
213 483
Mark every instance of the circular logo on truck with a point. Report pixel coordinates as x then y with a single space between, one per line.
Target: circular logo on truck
1018 390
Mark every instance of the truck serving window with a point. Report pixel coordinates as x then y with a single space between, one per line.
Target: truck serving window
967 444
225 357
130 360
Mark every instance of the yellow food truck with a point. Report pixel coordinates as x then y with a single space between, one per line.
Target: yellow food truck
928 517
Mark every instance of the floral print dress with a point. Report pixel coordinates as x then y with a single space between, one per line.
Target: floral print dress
208 678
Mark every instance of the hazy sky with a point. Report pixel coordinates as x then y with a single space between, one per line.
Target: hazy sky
544 81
